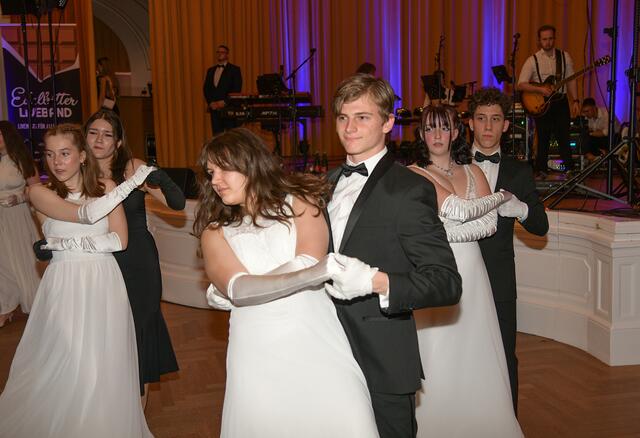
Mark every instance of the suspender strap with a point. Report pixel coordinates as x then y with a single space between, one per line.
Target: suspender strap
537 68
560 65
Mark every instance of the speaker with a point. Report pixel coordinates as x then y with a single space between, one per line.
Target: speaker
184 178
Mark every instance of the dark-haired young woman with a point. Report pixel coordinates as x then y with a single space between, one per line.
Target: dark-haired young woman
466 392
18 270
139 263
290 370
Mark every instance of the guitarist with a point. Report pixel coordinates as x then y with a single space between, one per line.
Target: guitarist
549 62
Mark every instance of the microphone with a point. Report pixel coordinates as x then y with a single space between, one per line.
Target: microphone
517 35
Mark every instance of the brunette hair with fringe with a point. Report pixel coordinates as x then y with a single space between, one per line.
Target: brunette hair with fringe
122 154
446 116
266 188
354 87
92 187
487 96
16 149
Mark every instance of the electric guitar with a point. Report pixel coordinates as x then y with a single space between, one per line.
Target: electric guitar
536 104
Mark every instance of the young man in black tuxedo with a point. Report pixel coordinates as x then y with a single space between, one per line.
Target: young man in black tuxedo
488 107
384 218
222 79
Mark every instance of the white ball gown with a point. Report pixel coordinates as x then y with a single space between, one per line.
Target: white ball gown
290 370
75 371
466 392
19 275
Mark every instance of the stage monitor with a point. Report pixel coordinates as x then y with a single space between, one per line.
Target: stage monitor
271 83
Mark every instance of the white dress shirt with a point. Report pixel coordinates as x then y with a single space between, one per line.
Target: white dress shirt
344 197
218 73
489 169
601 122
547 65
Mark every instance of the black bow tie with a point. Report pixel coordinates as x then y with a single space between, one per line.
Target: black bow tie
480 157
360 168
220 66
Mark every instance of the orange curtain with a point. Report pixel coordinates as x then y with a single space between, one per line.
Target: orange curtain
399 36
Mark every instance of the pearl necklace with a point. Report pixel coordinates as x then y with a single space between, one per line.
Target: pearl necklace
448 172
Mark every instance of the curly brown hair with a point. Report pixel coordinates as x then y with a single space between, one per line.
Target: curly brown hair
267 183
91 185
487 96
16 149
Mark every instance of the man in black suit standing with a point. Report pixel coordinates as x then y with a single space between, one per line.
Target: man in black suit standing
488 107
222 79
384 218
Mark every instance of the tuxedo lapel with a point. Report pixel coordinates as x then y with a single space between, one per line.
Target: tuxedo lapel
505 173
383 165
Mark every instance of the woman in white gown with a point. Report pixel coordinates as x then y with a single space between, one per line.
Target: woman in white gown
75 373
290 370
19 277
466 392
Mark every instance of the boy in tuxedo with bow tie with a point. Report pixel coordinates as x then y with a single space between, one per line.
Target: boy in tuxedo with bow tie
384 223
488 107
222 79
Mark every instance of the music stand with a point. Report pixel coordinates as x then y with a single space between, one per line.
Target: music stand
271 83
432 86
501 74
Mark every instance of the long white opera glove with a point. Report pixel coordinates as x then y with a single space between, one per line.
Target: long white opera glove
93 211
109 242
463 210
217 301
514 208
471 231
354 280
249 290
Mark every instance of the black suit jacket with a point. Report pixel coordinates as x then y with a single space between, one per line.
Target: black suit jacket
230 82
394 226
497 250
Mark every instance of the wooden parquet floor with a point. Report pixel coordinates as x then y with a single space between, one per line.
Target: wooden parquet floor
564 392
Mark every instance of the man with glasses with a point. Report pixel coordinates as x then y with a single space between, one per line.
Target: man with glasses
222 79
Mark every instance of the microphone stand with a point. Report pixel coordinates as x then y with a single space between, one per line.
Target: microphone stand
512 62
294 110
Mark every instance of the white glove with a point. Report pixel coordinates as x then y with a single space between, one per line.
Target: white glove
355 279
12 200
249 290
109 242
93 211
514 208
216 301
462 210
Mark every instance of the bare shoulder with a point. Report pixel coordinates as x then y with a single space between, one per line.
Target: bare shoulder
132 166
108 184
301 206
475 169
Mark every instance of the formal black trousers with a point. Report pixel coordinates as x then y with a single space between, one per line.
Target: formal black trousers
556 120
395 415
506 311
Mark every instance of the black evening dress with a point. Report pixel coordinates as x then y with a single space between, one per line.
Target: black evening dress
140 268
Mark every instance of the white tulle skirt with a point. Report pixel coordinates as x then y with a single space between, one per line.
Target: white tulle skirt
75 371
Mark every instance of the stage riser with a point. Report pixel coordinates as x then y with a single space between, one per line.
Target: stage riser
580 284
